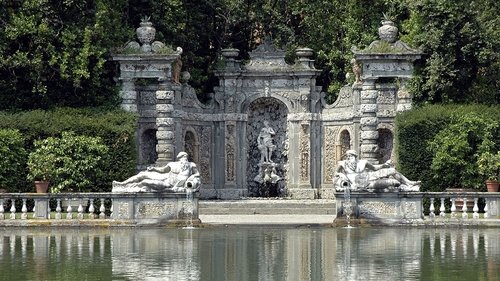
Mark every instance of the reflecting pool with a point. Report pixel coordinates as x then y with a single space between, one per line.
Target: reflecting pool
246 253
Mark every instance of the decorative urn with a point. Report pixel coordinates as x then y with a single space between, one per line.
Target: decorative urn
388 31
146 34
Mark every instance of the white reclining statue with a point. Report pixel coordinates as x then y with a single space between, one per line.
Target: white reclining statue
360 175
177 176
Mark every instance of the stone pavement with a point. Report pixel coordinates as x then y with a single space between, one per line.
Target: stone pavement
267 212
267 219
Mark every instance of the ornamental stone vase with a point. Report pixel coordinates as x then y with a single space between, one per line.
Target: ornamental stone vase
146 34
388 31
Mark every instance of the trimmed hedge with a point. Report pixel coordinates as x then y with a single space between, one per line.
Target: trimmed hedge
416 128
13 158
115 128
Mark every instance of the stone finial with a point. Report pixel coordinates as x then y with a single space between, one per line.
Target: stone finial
146 34
388 31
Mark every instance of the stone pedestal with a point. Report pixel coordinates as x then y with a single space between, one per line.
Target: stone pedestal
41 208
156 208
382 208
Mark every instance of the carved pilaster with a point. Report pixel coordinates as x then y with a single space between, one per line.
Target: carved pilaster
305 152
230 151
330 153
206 144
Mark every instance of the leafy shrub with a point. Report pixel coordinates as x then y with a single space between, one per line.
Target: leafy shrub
116 129
70 163
416 128
13 157
456 150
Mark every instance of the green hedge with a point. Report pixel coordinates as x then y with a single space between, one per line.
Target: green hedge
13 158
115 128
415 129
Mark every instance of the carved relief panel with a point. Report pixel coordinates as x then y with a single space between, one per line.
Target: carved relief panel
305 152
230 150
329 153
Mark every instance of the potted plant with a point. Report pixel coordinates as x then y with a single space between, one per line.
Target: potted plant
41 164
489 167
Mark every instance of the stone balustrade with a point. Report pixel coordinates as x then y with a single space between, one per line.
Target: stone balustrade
419 207
129 209
442 203
115 208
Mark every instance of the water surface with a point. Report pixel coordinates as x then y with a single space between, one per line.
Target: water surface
250 253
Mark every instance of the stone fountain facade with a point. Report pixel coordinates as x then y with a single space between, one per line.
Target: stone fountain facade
310 137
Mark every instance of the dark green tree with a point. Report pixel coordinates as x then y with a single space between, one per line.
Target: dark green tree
54 53
460 40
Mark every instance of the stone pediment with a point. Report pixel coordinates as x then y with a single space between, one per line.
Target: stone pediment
267 57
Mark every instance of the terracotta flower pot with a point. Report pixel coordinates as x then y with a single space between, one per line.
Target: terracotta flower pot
492 186
41 186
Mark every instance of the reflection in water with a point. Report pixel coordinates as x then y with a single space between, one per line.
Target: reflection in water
250 254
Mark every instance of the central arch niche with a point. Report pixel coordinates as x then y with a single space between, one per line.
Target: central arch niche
275 112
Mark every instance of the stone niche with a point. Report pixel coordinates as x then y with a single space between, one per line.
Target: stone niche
275 112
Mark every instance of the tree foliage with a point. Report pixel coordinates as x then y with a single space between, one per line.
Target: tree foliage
55 52
460 40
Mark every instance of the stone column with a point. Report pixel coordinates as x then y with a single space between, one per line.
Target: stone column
403 97
128 95
369 121
165 125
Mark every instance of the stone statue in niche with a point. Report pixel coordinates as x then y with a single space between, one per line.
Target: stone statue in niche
360 175
267 168
178 176
265 142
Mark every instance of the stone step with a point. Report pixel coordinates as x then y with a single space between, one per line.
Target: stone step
267 207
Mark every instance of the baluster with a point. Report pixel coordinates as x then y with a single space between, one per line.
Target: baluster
441 208
485 208
464 209
102 209
34 210
69 214
24 210
432 215
453 208
80 210
13 209
58 209
111 215
2 211
475 210
91 209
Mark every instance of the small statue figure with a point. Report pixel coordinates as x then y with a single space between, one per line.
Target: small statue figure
356 69
177 67
267 173
176 176
265 142
361 175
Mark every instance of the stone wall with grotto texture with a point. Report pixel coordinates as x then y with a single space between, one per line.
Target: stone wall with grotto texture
311 136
